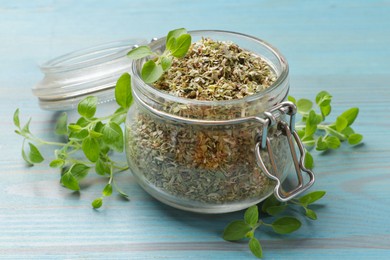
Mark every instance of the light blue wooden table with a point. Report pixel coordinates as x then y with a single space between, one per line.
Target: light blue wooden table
339 46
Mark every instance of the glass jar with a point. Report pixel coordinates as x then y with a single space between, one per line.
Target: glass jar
215 156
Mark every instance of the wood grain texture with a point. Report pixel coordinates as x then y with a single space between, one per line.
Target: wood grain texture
340 46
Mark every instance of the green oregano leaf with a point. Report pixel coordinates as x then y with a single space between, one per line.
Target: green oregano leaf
16 118
251 215
354 138
255 247
321 145
26 127
97 203
87 107
113 136
310 214
309 161
275 210
123 94
101 168
236 230
79 171
304 105
181 46
166 63
69 181
61 125
91 148
34 155
341 123
350 115
151 72
311 197
140 52
332 142
286 225
107 191
271 201
57 163
174 34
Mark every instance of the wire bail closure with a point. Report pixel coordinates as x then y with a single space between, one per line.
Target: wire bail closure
264 143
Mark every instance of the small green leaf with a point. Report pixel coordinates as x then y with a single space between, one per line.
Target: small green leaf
113 136
310 214
275 210
255 247
325 110
78 135
311 124
79 171
34 155
181 46
61 124
140 52
292 99
333 142
26 127
74 128
348 131
354 139
87 106
173 34
91 148
236 230
341 123
82 122
166 63
97 203
107 191
321 145
286 225
16 118
123 95
309 161
57 163
251 215
271 201
101 168
304 105
311 197
323 99
69 181
350 115
151 72
95 134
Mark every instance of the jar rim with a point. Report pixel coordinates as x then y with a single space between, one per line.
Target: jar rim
279 80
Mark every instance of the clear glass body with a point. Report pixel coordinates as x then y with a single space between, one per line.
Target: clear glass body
195 155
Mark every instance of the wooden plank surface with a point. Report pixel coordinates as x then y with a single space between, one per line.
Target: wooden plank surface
338 46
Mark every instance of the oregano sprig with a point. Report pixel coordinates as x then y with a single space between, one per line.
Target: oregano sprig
246 228
89 142
316 133
176 45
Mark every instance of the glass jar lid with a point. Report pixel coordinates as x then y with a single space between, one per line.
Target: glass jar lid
93 71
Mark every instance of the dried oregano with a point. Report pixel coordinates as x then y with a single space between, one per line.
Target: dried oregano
216 70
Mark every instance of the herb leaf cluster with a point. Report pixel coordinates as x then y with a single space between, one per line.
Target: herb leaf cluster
246 228
177 44
317 134
90 142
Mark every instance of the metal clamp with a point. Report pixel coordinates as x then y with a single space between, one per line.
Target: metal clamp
289 131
